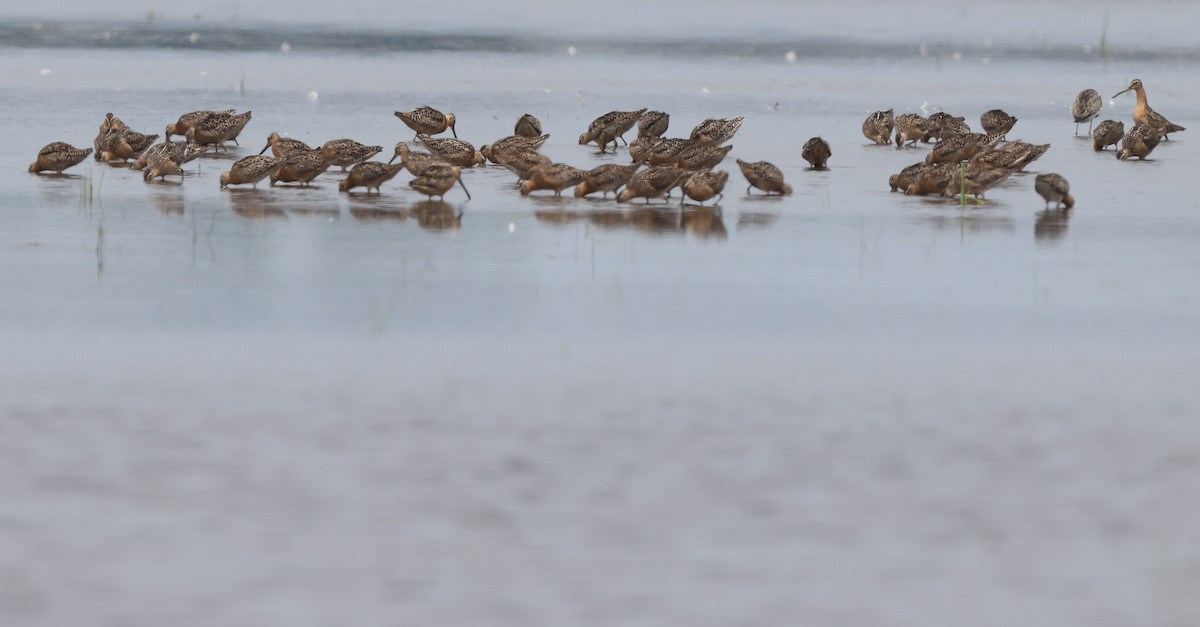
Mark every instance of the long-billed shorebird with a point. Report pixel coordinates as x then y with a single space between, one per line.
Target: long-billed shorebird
1145 116
1086 108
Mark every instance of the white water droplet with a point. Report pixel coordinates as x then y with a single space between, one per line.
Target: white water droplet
194 37
704 90
46 71
312 96
572 50
512 227
285 47
790 56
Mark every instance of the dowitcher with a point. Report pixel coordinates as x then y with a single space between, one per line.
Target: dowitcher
437 179
301 167
606 178
908 176
1053 188
369 174
702 186
556 176
513 143
1086 108
179 152
1145 116
997 122
347 152
124 145
878 126
1107 133
58 156
1014 155
453 151
764 176
654 182
414 162
427 121
610 127
160 165
1139 142
717 130
975 180
234 128
910 128
933 179
701 156
639 149
250 170
816 152
189 120
215 130
665 151
112 122
108 127
283 146
961 148
653 124
528 126
523 162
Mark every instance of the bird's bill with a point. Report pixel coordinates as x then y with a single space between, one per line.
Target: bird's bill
463 185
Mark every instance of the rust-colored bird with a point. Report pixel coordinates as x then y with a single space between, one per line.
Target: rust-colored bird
58 156
369 174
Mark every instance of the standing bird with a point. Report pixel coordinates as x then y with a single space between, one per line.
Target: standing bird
347 152
878 127
997 122
496 150
764 176
453 151
606 178
528 126
300 167
816 152
1086 108
653 182
1145 116
557 177
162 164
437 179
1107 133
653 124
523 162
415 162
702 156
610 127
189 120
369 174
1139 142
250 170
58 156
717 130
910 127
1054 189
427 121
702 186
283 146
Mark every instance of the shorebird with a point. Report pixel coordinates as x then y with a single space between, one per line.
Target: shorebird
523 162
764 176
997 122
58 156
179 152
1139 142
453 151
1145 116
653 124
369 174
717 130
437 179
513 143
283 146
654 182
974 180
123 145
1086 108
701 155
702 186
1053 188
606 178
910 128
528 126
556 176
427 121
414 162
878 127
609 128
300 167
189 120
160 165
1107 133
347 152
250 170
816 152
909 176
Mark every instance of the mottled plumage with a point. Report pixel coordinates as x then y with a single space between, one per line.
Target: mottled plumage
764 176
437 179
369 174
195 118
942 125
878 126
702 186
997 122
961 148
125 144
179 152
427 121
932 180
301 167
606 178
1086 108
556 176
160 165
816 152
653 124
1139 142
654 182
610 127
283 146
1053 188
250 170
453 151
701 156
910 128
58 156
908 176
1107 133
347 152
665 151
523 162
216 129
975 180
717 130
511 144
1143 115
414 162
528 126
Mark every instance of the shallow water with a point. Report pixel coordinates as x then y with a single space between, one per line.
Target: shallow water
293 406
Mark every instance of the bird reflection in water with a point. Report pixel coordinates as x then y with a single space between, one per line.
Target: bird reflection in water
704 223
753 220
253 204
168 200
437 215
975 221
372 214
1051 225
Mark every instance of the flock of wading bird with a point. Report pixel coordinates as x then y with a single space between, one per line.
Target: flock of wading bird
960 163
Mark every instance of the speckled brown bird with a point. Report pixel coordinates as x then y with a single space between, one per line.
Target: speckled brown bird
878 127
1086 108
437 179
250 170
703 186
523 162
702 156
179 152
125 144
653 182
764 176
717 130
606 178
58 156
942 125
610 127
189 120
347 152
817 153
283 146
414 162
974 180
513 143
1143 115
1107 133
369 174
528 126
1053 188
1139 142
665 151
301 167
453 151
427 121
997 122
160 165
556 177
910 128
653 124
